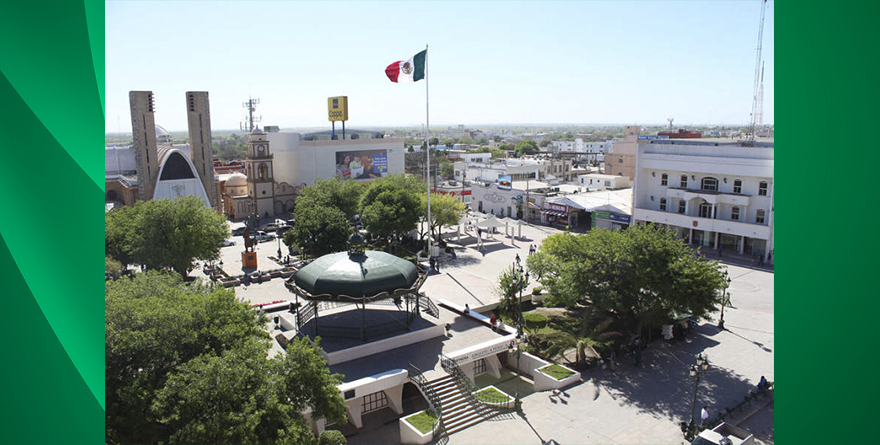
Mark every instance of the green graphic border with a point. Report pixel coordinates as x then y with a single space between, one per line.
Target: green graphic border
51 228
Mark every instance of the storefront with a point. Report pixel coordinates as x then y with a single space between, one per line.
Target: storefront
609 220
555 214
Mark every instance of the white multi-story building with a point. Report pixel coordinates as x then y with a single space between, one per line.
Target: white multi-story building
714 194
585 151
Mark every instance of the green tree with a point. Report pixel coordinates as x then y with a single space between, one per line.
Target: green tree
510 283
446 210
390 207
641 274
188 364
242 397
154 323
332 437
165 233
545 143
343 195
118 234
447 169
526 147
319 229
113 267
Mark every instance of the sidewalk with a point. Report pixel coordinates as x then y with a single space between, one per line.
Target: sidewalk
734 258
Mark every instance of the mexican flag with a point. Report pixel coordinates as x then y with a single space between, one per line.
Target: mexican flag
412 70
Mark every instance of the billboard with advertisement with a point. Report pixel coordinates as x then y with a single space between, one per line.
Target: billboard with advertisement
504 182
337 108
361 165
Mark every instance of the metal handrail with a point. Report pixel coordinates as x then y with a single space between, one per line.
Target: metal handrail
439 430
429 307
467 387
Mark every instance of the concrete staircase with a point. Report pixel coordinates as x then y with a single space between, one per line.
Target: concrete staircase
459 410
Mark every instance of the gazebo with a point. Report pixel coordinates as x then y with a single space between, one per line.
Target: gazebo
357 278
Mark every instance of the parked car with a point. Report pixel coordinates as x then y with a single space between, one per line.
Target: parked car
238 231
724 434
282 229
269 227
228 242
262 236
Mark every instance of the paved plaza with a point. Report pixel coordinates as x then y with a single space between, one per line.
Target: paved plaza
632 405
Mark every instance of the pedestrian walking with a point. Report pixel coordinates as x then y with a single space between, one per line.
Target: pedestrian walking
437 263
517 258
704 415
432 263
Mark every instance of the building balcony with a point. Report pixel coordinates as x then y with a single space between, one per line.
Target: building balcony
723 226
712 197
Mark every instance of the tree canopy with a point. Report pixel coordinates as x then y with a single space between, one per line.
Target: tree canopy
391 206
446 210
526 147
343 195
185 363
165 233
641 274
319 229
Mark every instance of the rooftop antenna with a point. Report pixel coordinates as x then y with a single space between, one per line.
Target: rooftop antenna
250 123
669 119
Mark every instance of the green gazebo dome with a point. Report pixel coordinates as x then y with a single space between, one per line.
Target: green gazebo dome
363 276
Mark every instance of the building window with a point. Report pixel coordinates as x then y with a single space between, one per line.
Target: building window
759 217
762 188
662 204
737 186
620 160
684 181
734 213
374 401
479 367
705 210
681 207
709 184
664 179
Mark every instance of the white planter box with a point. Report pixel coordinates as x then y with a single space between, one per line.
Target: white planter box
496 405
409 435
544 382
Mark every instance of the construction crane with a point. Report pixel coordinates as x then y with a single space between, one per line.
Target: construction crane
760 118
750 141
669 119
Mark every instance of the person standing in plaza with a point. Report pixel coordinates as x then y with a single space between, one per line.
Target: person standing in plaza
704 415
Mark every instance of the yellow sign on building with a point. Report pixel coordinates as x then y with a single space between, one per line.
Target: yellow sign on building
337 108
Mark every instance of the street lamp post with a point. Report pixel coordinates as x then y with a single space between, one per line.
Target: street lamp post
724 297
696 372
279 245
520 281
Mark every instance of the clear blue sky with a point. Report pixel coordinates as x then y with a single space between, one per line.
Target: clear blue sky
493 62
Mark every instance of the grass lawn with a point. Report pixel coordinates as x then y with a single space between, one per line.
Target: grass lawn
423 421
491 395
556 371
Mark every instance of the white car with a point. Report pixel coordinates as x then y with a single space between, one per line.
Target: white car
228 242
262 236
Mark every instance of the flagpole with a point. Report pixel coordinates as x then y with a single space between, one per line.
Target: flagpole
428 153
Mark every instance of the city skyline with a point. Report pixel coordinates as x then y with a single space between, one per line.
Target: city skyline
489 63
